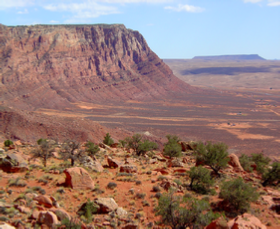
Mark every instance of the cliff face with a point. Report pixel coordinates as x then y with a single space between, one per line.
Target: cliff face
53 66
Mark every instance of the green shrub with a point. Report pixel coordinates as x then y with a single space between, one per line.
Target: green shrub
238 194
8 142
261 161
111 185
16 182
201 180
92 148
172 148
71 149
179 212
108 140
140 195
272 175
246 162
87 210
213 155
70 224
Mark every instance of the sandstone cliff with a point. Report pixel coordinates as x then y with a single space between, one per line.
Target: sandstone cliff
53 66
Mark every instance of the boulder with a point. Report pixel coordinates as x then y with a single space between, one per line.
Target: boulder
48 218
44 200
78 178
113 163
186 146
121 213
128 169
92 164
159 158
60 213
162 171
175 163
234 162
2 151
219 223
106 205
13 163
246 221
6 226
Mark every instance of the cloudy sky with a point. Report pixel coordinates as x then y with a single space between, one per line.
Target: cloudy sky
172 28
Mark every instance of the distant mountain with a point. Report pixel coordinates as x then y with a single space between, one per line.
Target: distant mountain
231 57
54 66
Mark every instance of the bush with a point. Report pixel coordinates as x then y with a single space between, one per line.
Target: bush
87 210
70 224
246 162
8 142
16 182
140 147
238 194
272 175
71 150
261 161
156 188
179 212
201 180
92 149
111 185
213 155
172 148
108 140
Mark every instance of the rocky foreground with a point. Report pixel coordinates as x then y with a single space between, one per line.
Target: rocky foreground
122 187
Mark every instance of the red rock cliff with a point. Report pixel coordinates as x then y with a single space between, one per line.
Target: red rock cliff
53 66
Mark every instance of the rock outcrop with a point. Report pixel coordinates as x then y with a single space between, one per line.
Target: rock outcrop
78 178
53 66
246 221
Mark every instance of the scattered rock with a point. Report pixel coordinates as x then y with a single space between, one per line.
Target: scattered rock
113 163
106 205
130 226
78 178
60 213
128 169
44 200
6 226
246 221
175 163
219 223
162 171
121 213
48 218
159 158
186 146
234 162
94 165
13 163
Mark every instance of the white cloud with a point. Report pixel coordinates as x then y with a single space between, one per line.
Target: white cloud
23 12
252 1
83 10
135 1
273 3
187 8
5 4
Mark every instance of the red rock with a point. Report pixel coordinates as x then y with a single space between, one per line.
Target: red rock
219 223
44 200
234 162
60 213
246 221
106 205
128 169
78 178
162 171
180 171
113 163
48 218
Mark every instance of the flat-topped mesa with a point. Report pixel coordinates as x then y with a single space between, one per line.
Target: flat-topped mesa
230 57
54 65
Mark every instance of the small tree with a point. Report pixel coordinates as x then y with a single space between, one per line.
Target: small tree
201 180
122 143
238 194
71 150
272 175
261 161
108 140
8 142
178 212
140 147
214 155
246 162
44 151
92 148
172 148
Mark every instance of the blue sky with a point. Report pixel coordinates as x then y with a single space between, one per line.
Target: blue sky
172 28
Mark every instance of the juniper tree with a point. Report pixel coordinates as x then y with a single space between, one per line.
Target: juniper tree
71 149
172 148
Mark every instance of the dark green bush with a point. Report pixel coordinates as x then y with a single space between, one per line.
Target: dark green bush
201 180
214 155
179 212
111 185
172 148
8 142
238 194
272 175
87 209
246 162
108 140
261 161
92 148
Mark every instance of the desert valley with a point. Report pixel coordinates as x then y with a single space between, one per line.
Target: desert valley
63 83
